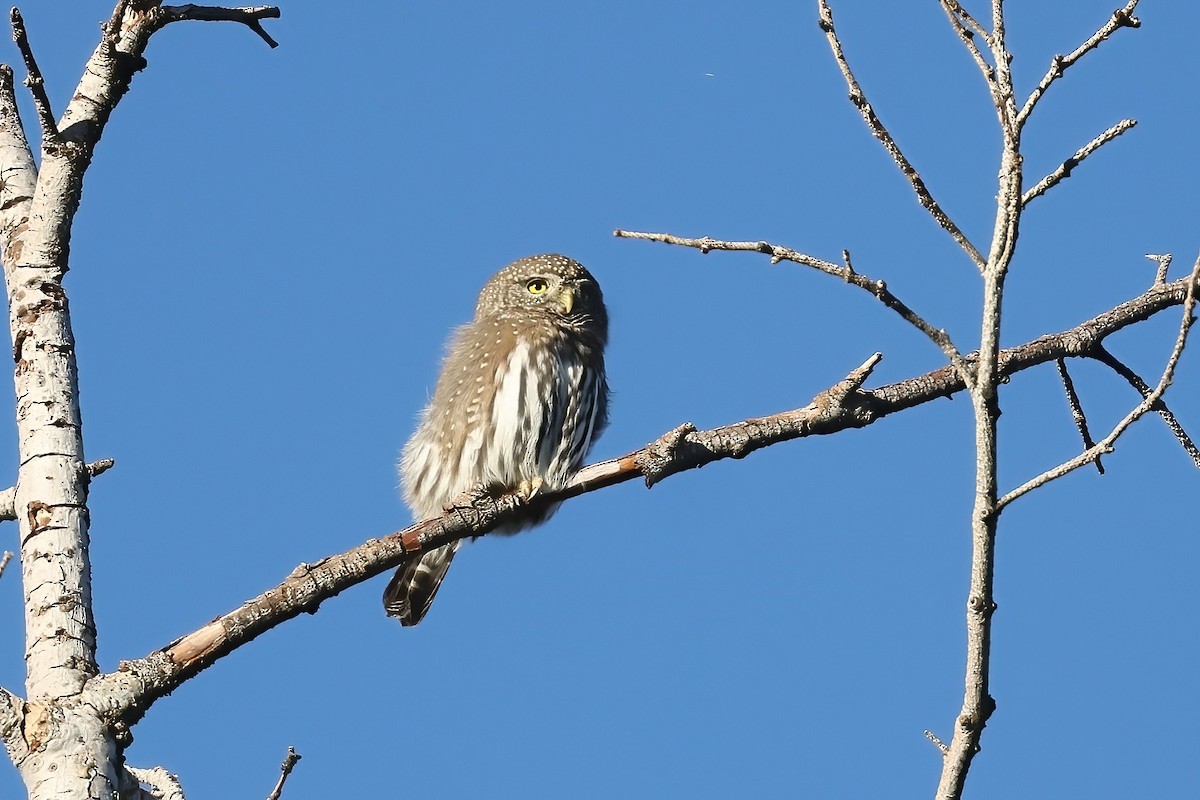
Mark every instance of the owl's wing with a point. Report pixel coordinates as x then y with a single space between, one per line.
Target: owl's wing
412 588
576 413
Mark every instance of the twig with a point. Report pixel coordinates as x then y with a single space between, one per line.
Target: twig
881 133
1121 18
1077 414
1064 170
938 743
1164 264
1105 445
33 80
845 271
8 496
163 785
1099 353
967 27
961 16
7 557
248 16
285 769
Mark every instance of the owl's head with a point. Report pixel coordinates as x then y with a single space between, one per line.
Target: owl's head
549 285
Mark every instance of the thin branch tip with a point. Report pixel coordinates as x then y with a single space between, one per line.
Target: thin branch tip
881 133
33 77
1121 18
285 769
1164 263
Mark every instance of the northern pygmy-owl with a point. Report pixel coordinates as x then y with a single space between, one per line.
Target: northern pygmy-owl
521 398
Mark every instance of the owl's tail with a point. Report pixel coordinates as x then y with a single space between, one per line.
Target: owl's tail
412 588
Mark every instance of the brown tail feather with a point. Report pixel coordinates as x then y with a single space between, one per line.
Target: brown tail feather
413 587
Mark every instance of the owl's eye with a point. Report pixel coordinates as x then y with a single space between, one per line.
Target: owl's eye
537 285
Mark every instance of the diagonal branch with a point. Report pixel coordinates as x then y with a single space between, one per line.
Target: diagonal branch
1064 170
961 17
885 138
127 694
845 271
1099 353
1148 403
1081 423
33 79
967 27
1121 18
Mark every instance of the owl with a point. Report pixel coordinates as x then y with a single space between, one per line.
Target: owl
521 398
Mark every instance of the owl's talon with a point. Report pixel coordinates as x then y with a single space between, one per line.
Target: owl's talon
529 489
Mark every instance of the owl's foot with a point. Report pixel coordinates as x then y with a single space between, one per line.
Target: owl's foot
470 497
529 489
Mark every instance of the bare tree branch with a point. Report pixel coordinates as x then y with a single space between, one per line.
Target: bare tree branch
125 695
1164 264
885 138
33 79
1105 445
1121 18
938 743
1081 423
1099 353
248 16
4 559
845 271
163 785
285 769
967 27
961 17
1064 170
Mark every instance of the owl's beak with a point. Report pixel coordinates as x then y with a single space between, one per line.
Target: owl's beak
566 296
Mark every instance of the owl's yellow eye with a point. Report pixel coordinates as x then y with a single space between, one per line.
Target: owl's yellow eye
537 285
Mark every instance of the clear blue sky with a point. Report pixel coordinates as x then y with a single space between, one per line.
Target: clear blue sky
273 245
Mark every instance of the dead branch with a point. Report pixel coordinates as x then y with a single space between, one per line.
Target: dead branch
1080 419
163 785
1164 263
845 271
1099 353
1064 170
285 769
1105 445
1121 18
248 16
885 138
967 27
125 695
33 78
